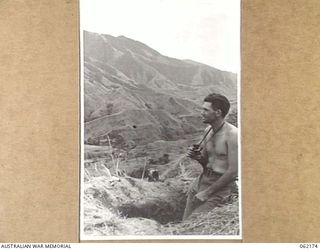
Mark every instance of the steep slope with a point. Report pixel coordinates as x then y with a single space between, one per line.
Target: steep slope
135 95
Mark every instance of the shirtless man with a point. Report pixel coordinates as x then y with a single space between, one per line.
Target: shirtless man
218 155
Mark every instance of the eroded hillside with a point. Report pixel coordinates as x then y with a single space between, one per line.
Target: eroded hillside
131 90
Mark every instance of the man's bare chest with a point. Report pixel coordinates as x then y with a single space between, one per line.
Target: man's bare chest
217 146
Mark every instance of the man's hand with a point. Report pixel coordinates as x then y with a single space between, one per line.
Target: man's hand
203 195
195 153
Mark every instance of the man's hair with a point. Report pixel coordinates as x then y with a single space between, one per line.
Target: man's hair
218 102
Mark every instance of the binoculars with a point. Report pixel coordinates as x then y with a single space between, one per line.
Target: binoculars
196 148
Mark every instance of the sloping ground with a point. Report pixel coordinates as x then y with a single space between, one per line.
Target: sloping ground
129 206
135 96
222 220
122 76
139 127
124 206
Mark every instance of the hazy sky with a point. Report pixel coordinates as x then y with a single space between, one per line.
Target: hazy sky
207 31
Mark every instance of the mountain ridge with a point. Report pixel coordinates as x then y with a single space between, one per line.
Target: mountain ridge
122 74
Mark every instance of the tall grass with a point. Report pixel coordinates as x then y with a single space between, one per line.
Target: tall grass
144 168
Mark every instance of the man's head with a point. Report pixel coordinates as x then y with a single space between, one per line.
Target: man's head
215 107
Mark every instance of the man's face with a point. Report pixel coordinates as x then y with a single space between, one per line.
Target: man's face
208 114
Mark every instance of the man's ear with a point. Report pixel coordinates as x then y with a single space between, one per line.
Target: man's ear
219 112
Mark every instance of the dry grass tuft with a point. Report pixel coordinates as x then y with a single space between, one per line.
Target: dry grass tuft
222 220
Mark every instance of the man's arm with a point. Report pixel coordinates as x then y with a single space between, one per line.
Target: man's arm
199 156
202 155
232 171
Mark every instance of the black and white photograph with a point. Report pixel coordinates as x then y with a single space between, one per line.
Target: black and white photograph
160 119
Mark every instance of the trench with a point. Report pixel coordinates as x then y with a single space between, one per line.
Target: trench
161 210
164 204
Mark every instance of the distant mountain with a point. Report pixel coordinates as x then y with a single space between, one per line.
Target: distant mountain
135 95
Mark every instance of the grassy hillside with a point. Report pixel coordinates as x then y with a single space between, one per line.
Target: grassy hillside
122 76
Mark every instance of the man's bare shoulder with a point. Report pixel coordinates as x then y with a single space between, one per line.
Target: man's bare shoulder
231 131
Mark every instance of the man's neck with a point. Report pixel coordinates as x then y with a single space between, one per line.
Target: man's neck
217 124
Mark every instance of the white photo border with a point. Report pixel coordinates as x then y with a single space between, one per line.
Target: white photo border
83 236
